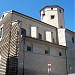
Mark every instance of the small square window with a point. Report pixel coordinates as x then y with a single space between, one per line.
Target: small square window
61 26
51 8
47 52
28 48
52 16
60 54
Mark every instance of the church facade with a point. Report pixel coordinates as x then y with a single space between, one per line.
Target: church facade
27 44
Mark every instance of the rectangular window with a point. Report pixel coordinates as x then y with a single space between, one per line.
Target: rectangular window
60 54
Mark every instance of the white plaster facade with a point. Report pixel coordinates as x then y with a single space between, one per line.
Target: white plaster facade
55 11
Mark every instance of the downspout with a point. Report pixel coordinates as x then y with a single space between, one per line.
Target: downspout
66 60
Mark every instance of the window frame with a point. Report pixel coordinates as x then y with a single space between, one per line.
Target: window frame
1 30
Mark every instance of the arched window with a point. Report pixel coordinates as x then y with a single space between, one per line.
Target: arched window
73 40
0 55
1 31
23 32
40 36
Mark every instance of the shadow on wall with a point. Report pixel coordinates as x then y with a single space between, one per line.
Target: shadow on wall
12 63
12 68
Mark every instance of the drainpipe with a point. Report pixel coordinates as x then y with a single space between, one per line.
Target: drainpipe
66 60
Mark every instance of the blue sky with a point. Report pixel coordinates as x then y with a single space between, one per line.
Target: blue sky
32 8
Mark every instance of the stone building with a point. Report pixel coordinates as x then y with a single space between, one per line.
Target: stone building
27 44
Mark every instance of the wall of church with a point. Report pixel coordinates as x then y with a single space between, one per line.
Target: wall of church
41 52
41 28
70 41
36 60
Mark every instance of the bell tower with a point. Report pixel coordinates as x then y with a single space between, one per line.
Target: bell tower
53 15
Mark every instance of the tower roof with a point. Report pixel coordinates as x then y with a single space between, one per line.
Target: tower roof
52 6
